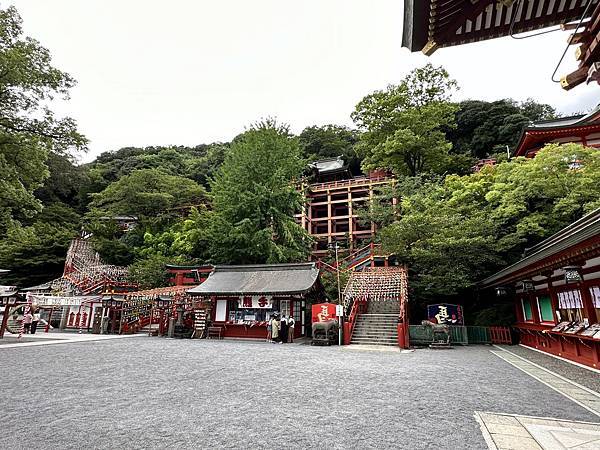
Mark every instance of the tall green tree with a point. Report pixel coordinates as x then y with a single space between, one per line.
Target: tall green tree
255 198
29 130
403 127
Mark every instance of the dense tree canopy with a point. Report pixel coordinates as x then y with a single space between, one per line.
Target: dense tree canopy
403 127
455 231
147 193
486 128
29 130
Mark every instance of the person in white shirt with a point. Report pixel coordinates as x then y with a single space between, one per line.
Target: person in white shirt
291 323
35 320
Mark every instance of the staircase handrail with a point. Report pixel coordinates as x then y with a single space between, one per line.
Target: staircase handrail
358 307
369 247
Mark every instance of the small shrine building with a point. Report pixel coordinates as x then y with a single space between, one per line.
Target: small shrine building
243 298
556 290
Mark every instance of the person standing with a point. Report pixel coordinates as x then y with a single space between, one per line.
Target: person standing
284 330
27 319
275 324
269 328
35 320
291 323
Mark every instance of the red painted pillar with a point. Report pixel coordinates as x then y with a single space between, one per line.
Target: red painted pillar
403 341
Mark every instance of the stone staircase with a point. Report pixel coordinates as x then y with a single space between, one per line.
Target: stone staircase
379 325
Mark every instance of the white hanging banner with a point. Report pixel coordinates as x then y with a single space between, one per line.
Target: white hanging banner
49 300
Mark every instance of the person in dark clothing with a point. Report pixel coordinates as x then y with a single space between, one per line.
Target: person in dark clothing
284 330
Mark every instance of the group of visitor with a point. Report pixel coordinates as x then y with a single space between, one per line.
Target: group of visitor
281 329
29 320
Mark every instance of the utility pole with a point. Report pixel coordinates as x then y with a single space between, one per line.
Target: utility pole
339 307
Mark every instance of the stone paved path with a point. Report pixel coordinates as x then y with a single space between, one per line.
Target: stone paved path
147 392
514 432
574 391
55 337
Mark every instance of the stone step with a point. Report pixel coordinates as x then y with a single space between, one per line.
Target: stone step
374 338
379 314
378 322
375 333
378 319
369 342
366 328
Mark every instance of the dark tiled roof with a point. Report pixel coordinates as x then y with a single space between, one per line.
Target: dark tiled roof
579 231
39 287
259 279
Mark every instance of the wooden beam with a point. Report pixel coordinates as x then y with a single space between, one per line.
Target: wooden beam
460 20
578 38
429 48
573 25
575 78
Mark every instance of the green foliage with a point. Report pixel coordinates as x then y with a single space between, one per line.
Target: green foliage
150 272
502 314
36 253
147 193
330 141
197 163
255 198
330 284
64 184
454 232
485 128
404 126
29 130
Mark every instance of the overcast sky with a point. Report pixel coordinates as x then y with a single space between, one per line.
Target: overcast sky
187 72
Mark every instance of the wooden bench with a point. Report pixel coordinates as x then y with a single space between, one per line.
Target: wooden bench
214 332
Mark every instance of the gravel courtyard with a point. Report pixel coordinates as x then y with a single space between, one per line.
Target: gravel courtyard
157 393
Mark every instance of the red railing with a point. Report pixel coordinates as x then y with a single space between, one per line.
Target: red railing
351 182
500 335
358 307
